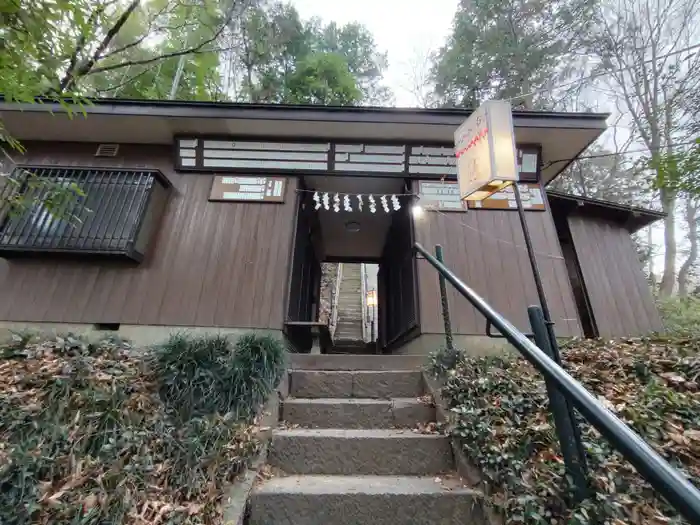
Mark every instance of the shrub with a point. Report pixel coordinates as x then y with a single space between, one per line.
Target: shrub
681 316
208 374
87 433
503 423
443 360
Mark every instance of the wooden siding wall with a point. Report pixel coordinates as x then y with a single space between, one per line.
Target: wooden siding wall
211 264
619 294
479 246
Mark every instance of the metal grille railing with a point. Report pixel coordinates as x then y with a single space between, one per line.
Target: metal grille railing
104 219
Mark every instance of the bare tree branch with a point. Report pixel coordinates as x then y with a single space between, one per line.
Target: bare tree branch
72 74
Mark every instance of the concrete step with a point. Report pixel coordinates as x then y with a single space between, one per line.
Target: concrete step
355 363
365 383
376 452
364 500
357 413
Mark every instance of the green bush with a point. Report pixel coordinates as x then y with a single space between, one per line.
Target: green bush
501 418
681 316
208 374
90 434
443 360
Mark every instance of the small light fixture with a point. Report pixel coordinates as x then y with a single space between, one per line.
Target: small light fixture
417 211
371 298
352 226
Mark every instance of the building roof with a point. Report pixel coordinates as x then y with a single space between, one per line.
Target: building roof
632 217
562 135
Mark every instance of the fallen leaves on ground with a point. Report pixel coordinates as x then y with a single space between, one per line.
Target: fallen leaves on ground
86 438
501 417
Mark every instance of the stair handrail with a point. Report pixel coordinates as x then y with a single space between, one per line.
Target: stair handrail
335 293
664 478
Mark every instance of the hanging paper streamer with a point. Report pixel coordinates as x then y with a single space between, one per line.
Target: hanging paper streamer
336 203
385 204
323 200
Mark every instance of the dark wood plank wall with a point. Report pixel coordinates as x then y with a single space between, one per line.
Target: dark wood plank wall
480 246
619 294
211 264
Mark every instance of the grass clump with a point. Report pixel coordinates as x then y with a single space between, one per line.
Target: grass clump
500 416
90 433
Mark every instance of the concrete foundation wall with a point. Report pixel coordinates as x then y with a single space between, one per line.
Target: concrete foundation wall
139 335
473 345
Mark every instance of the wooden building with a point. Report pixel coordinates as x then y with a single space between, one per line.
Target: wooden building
203 216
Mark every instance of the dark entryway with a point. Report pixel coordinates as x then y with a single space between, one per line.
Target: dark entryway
573 267
352 237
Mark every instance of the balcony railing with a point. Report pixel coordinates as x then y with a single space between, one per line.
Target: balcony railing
110 214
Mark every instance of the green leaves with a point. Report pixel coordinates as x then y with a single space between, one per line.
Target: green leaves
500 415
679 170
85 437
502 49
287 60
202 375
323 79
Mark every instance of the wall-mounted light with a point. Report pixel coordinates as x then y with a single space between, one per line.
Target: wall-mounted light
371 298
417 211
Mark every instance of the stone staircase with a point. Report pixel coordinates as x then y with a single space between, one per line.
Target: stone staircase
349 325
349 452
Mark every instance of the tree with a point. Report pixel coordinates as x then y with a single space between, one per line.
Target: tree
607 175
270 42
63 50
323 78
365 63
638 45
510 48
185 77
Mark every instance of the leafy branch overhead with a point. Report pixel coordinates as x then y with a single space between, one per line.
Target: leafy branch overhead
53 46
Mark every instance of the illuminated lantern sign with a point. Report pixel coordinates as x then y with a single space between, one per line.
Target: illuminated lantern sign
485 151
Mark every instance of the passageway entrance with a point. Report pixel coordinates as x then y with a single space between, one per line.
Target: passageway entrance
353 285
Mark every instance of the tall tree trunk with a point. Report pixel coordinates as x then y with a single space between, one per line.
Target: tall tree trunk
691 217
668 202
652 267
668 280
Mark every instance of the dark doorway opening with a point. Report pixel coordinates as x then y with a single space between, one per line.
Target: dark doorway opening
380 282
573 267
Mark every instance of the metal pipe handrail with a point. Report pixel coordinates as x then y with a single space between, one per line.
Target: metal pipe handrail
668 481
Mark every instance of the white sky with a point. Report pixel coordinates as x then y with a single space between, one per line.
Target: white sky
407 30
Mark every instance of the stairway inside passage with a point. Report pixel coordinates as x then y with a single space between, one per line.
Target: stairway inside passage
349 451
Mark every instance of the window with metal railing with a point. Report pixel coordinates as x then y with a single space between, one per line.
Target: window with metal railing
80 210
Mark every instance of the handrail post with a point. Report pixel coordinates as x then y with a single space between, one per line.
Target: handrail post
449 340
670 482
564 420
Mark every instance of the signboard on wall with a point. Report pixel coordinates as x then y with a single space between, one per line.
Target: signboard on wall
485 151
443 196
248 189
531 194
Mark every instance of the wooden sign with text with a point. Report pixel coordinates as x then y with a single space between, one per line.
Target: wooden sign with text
532 197
248 189
443 196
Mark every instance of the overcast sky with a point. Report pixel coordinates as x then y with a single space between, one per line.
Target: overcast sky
407 30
